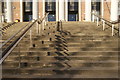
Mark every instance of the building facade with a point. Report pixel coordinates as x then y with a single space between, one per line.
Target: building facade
65 10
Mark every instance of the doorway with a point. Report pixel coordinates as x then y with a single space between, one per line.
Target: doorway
50 7
73 10
27 11
96 7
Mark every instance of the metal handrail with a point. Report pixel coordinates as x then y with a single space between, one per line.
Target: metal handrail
113 23
7 50
3 28
8 25
14 35
46 14
19 32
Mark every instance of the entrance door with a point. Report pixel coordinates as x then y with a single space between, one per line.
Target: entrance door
96 7
51 17
72 10
50 7
27 17
27 10
72 17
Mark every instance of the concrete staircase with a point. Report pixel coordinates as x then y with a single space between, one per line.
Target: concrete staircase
81 50
13 29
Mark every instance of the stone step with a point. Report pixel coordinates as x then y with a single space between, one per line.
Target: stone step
68 49
13 29
59 68
47 39
78 38
79 45
72 48
87 52
71 45
58 64
79 54
71 42
61 58
70 52
62 73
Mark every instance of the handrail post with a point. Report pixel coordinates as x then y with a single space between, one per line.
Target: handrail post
46 19
37 28
113 29
43 24
97 21
119 28
93 18
103 24
40 26
30 38
0 18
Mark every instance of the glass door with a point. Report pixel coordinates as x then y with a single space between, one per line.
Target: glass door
72 10
119 9
50 7
27 10
96 7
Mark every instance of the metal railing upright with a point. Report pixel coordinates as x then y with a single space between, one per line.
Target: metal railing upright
3 28
22 32
107 22
7 26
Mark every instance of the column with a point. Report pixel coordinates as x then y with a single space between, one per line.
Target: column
43 8
66 10
57 10
79 9
102 9
0 11
21 10
9 10
88 10
114 10
61 10
35 9
43 22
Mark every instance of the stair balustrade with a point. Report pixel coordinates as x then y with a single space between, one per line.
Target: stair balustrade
17 37
71 52
105 22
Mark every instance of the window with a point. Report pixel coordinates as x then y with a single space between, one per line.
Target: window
95 6
50 5
28 6
73 5
119 8
3 7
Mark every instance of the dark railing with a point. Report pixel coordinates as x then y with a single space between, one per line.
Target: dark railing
22 32
5 42
7 26
2 29
107 22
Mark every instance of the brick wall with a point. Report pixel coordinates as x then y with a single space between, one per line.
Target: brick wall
16 10
107 6
40 9
83 10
